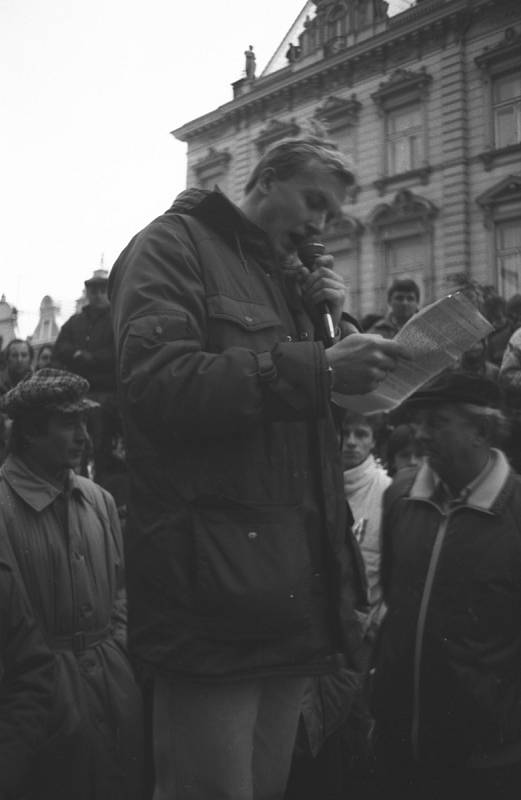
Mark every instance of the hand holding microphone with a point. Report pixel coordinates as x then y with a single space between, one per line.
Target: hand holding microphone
322 288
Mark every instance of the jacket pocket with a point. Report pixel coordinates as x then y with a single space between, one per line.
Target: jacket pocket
242 323
253 571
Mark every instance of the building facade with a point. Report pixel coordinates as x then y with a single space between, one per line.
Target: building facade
427 103
47 329
8 322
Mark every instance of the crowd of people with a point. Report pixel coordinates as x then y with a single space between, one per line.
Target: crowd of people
216 583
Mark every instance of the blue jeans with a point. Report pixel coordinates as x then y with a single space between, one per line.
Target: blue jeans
231 741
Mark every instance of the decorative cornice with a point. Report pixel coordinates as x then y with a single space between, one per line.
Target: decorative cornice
405 207
367 56
402 82
275 130
216 161
338 112
507 190
347 226
420 175
488 157
508 49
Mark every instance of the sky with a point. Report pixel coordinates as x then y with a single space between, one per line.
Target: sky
89 92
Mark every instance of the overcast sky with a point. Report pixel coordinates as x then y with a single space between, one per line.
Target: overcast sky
90 91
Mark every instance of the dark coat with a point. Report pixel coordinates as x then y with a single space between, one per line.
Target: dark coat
90 331
236 540
447 688
26 686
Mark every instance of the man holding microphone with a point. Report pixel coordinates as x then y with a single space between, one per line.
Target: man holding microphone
240 580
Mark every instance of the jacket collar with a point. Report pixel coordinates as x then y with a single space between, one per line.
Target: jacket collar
481 493
34 490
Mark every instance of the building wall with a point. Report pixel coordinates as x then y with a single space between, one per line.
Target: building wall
445 213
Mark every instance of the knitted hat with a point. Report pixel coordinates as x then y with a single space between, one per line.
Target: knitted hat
50 390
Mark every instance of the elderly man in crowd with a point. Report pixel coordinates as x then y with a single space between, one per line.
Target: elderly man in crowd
447 689
61 534
239 574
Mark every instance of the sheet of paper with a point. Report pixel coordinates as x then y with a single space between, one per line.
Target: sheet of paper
437 336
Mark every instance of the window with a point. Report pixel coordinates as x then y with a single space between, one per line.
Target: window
407 258
508 256
404 139
506 98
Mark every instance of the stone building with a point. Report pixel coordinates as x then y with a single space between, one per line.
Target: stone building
47 329
8 322
428 105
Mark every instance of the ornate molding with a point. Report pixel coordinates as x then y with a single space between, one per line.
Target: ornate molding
507 51
489 156
275 130
506 192
214 163
348 227
338 112
405 207
421 175
404 84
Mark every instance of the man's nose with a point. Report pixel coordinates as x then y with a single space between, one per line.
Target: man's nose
317 224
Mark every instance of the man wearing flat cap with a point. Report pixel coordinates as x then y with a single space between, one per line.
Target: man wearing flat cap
85 346
447 689
60 532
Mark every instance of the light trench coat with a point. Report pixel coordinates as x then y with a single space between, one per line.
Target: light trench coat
67 548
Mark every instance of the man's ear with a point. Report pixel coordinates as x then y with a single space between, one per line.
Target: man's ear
266 180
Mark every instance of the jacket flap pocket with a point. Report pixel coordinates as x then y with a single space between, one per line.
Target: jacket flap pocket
250 316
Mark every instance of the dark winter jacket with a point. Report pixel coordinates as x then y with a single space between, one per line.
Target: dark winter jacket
448 669
26 686
236 538
90 332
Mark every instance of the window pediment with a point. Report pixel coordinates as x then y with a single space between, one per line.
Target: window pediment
406 207
505 54
347 226
214 163
404 86
275 130
338 112
504 196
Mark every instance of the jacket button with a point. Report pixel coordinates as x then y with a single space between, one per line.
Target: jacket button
248 319
292 596
252 535
158 329
289 338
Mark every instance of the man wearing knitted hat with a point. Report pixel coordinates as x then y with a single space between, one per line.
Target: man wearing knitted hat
447 690
62 537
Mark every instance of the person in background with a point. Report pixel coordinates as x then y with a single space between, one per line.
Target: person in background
403 298
18 359
44 357
240 572
402 449
62 533
447 682
365 482
26 687
85 346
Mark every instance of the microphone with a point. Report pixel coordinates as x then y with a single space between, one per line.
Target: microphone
308 254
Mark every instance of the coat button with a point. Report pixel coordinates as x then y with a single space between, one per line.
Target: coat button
158 329
252 535
249 320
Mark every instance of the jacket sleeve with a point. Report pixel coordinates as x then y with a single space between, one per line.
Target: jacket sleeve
65 347
169 382
26 686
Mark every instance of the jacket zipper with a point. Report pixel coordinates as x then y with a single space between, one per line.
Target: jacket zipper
420 631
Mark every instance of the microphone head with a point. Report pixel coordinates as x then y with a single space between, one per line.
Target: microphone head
309 252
